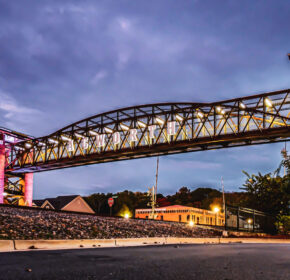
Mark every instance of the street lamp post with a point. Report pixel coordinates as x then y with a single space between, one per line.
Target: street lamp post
250 223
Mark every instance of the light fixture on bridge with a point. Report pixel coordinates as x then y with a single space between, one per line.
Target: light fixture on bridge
220 110
5 194
92 132
41 144
124 127
52 141
108 130
268 102
141 124
78 135
179 118
19 148
65 138
28 145
200 114
160 121
242 105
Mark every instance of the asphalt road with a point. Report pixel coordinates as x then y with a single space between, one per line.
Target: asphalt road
210 262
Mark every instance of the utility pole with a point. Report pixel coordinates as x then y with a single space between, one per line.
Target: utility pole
153 193
156 175
285 156
224 201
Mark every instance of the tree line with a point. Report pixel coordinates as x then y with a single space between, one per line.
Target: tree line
203 198
269 193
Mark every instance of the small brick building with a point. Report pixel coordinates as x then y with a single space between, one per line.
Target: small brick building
185 214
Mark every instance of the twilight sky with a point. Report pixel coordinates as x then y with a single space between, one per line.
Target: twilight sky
61 61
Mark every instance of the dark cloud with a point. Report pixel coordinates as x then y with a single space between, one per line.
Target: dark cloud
61 61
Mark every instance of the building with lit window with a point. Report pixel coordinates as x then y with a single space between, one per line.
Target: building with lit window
183 214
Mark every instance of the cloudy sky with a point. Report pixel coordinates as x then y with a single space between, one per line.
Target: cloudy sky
61 61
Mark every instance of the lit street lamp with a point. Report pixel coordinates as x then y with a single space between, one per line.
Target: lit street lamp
249 221
216 210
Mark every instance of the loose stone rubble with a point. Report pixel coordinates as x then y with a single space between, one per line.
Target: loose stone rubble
19 223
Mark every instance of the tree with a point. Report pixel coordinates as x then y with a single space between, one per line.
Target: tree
268 193
200 197
163 202
97 201
204 197
182 197
283 224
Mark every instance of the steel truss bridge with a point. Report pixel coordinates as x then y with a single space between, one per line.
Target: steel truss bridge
155 129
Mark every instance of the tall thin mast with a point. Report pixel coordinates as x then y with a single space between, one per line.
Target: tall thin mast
153 193
156 177
223 190
285 158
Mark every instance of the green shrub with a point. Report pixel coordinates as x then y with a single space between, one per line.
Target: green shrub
283 224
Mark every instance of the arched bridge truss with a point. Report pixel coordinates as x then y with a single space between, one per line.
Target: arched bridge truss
157 129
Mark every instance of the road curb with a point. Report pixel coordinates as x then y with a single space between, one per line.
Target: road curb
140 241
20 245
6 245
254 240
63 244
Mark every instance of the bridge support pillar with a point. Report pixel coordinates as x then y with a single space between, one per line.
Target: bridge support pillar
2 168
28 189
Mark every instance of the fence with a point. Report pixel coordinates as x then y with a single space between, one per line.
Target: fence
250 220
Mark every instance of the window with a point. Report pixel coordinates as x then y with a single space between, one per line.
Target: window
146 217
197 220
161 217
211 221
188 217
179 217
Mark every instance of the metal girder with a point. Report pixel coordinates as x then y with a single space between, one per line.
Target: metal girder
157 129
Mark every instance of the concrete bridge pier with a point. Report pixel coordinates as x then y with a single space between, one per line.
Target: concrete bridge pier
2 168
28 188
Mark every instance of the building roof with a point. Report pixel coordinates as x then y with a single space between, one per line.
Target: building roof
171 207
57 202
38 202
175 207
61 201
